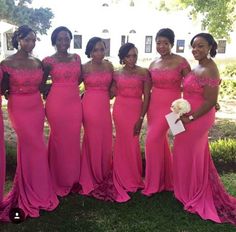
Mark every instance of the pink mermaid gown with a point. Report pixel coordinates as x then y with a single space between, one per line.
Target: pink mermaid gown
96 176
97 140
126 112
32 188
64 114
166 88
2 149
196 181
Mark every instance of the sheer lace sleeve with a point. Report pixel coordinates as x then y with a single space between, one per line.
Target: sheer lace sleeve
209 81
184 64
47 61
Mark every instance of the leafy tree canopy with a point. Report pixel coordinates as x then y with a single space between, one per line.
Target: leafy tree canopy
18 12
218 16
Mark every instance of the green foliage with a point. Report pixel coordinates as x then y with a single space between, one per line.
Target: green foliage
230 70
224 152
223 128
18 13
229 180
160 213
218 16
228 88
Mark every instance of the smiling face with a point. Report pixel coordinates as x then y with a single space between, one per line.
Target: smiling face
98 52
28 43
200 48
131 58
63 41
163 46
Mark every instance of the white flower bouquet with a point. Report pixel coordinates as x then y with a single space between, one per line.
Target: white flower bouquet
180 107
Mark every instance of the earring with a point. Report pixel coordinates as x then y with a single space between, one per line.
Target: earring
209 55
18 47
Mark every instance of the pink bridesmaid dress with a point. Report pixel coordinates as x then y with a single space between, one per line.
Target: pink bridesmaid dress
32 188
126 112
196 181
166 88
96 176
97 140
2 149
64 115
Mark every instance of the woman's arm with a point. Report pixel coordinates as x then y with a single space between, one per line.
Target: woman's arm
44 88
210 81
186 68
5 85
145 105
112 90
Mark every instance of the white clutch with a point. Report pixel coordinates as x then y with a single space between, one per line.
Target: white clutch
175 128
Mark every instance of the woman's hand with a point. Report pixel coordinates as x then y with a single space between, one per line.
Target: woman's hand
184 118
138 126
6 94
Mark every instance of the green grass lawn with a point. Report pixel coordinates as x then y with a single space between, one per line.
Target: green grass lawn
162 212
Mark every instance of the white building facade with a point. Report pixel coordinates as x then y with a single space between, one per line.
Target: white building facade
120 21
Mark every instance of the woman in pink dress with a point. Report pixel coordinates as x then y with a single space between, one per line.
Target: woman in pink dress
97 141
32 188
132 83
96 165
2 148
64 113
167 72
196 181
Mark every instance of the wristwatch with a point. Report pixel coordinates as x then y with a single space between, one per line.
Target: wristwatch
190 117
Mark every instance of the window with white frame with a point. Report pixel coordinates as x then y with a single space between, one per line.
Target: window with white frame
148 44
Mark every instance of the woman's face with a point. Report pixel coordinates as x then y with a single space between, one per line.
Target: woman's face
63 41
28 43
200 48
98 52
163 46
131 58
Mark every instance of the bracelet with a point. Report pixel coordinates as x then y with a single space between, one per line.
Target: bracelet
190 117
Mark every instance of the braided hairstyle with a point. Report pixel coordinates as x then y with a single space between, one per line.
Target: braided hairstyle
210 40
19 34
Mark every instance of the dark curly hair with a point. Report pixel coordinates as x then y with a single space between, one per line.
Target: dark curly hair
210 40
91 44
19 34
124 50
167 33
57 31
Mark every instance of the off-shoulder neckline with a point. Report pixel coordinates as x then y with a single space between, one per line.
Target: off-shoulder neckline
21 69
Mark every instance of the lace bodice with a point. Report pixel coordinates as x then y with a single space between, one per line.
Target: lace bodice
129 85
22 81
193 84
168 78
98 80
64 72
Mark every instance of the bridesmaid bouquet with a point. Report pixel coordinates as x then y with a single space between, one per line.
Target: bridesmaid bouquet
180 106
